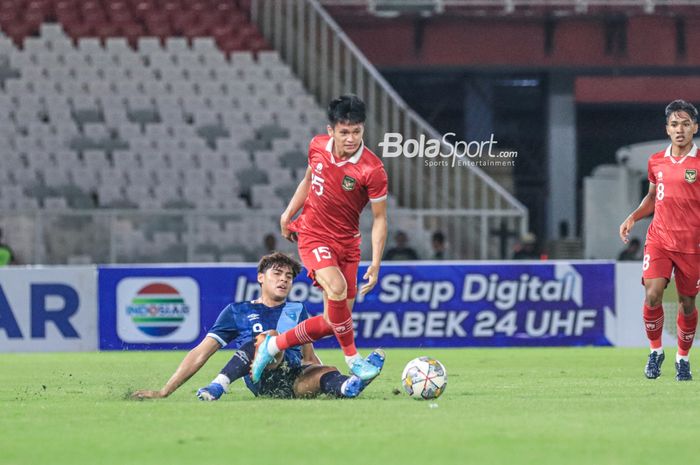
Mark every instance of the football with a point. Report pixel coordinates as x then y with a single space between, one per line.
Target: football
424 378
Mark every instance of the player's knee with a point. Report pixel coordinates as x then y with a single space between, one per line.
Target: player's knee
687 304
654 296
337 289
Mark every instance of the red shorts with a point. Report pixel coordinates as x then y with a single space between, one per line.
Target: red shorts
317 253
659 263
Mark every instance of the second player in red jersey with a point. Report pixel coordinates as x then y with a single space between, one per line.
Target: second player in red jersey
342 177
673 239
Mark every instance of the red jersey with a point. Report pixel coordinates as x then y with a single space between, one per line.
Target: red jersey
340 190
676 223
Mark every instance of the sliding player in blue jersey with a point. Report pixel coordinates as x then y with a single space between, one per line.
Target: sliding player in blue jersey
297 373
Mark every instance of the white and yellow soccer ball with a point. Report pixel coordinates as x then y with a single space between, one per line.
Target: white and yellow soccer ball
424 378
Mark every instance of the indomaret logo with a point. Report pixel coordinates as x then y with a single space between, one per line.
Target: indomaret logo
157 309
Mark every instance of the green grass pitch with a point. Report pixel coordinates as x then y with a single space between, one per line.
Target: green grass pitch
501 406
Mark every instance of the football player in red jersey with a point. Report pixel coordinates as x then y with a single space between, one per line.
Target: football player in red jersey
673 238
342 177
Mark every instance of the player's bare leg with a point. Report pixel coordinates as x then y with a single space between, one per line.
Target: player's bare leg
338 313
337 320
654 324
687 322
308 384
320 379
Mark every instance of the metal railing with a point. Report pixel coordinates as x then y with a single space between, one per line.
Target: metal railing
173 236
329 64
506 6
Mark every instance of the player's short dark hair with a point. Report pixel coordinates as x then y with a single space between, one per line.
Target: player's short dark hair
278 260
682 105
347 109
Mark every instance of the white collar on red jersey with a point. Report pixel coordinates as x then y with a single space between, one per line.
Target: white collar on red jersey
354 159
693 153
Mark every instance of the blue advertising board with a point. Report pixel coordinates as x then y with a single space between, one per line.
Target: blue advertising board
486 304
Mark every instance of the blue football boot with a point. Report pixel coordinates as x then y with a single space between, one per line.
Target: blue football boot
375 360
261 360
355 385
653 368
210 393
683 371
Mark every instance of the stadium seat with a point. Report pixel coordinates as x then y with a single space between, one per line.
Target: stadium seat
101 116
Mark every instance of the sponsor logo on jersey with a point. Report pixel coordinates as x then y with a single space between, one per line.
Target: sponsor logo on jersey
319 167
348 183
691 176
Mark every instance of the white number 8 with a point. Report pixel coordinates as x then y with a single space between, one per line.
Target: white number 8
645 262
660 191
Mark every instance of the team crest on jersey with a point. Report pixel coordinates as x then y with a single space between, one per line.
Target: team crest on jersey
691 176
348 183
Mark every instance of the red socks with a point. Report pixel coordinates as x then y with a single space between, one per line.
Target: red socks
315 328
309 330
341 321
686 330
654 324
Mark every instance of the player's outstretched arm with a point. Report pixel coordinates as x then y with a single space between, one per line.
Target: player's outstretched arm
193 361
295 205
645 208
379 231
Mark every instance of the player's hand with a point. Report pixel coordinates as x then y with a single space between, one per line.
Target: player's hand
626 228
146 394
371 276
286 233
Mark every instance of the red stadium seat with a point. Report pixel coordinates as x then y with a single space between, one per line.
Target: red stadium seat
95 18
132 32
107 30
197 6
7 18
247 32
42 7
160 30
211 19
257 44
33 19
17 31
223 31
226 21
121 17
142 8
182 23
196 30
172 7
66 11
230 44
224 9
76 30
